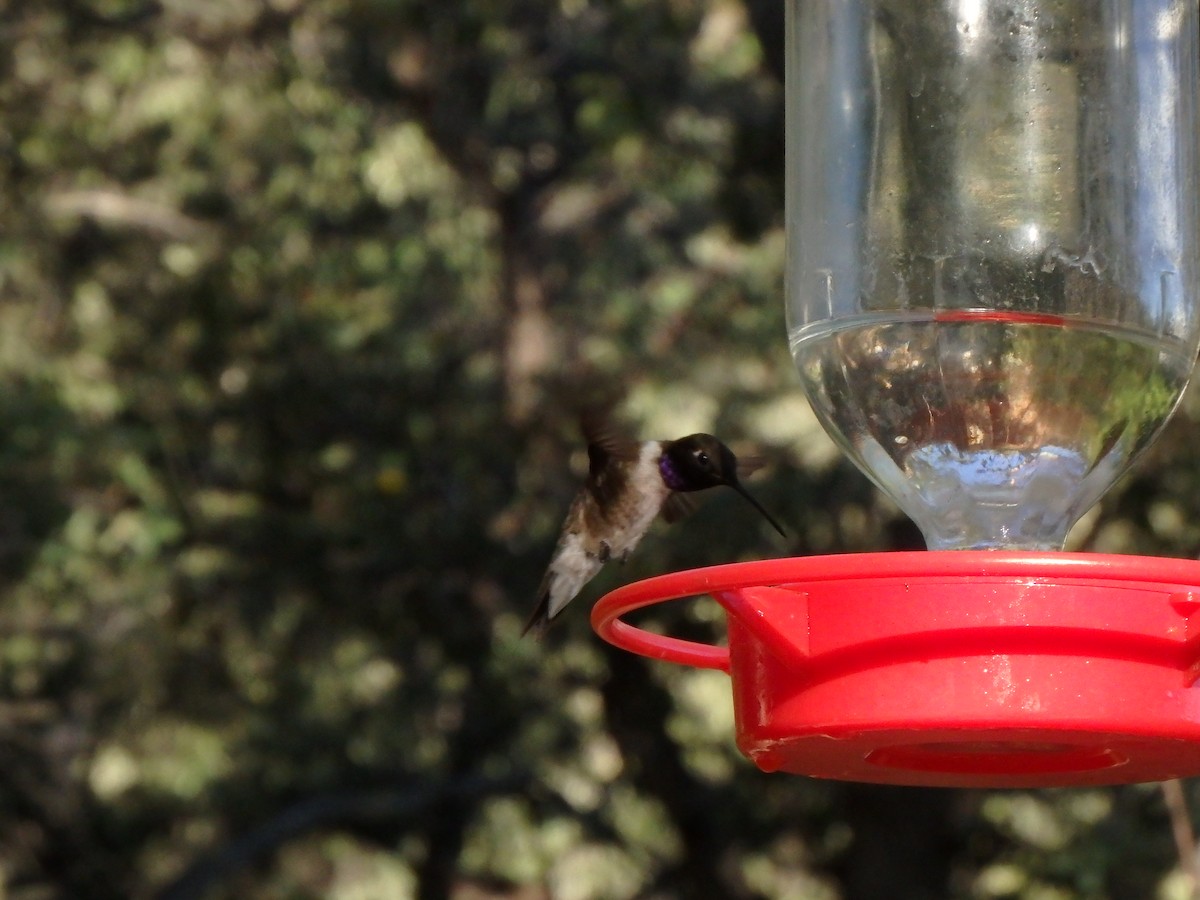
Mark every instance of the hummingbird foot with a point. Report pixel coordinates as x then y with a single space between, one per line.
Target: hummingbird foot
605 553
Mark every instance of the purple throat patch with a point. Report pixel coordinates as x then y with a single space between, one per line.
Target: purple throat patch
670 475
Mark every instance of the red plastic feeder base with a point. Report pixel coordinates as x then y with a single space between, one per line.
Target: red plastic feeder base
953 668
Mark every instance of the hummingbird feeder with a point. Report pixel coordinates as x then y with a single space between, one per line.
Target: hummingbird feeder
993 215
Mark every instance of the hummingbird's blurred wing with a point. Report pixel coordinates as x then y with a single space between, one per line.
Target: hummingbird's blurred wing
676 506
608 447
604 437
748 465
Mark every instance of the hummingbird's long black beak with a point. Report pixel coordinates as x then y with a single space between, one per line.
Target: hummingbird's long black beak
766 515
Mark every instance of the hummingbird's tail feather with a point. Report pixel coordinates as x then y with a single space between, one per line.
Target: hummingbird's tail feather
539 621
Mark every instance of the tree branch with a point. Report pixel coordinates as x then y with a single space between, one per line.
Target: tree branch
1183 832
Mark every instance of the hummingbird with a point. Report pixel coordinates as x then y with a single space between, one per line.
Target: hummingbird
629 484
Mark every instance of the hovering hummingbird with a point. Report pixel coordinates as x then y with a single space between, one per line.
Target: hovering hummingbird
629 483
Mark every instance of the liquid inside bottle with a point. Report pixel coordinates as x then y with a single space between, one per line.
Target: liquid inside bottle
990 429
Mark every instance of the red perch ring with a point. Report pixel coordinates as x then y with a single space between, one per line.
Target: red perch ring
949 668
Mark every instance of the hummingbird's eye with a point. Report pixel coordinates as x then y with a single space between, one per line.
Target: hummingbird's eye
702 457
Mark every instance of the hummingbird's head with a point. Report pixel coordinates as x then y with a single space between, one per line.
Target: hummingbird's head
700 461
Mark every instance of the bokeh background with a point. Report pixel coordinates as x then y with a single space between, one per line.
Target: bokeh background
297 303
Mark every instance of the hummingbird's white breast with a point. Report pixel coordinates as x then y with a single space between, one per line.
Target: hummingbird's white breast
619 528
643 500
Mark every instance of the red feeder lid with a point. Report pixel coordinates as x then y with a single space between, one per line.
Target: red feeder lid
950 668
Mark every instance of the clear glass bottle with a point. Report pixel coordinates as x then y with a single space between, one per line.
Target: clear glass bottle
993 247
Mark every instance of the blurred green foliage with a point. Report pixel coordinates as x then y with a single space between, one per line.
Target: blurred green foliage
297 303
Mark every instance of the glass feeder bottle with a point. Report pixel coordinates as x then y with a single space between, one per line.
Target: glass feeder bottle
992 266
993 247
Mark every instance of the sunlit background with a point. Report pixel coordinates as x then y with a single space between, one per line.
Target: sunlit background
298 303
